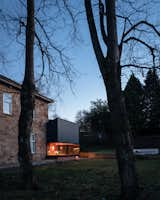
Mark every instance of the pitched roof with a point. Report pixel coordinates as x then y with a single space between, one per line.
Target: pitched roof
10 83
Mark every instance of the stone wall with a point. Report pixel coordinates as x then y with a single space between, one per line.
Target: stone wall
39 128
9 128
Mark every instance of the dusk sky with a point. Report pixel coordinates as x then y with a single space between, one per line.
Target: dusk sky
88 85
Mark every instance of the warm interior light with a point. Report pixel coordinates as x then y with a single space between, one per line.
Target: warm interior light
52 147
62 149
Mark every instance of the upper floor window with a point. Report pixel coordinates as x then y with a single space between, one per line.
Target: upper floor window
7 103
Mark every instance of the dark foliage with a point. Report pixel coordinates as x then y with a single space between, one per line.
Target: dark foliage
152 102
134 97
143 103
96 121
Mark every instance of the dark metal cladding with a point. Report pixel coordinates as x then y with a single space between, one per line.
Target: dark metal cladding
52 131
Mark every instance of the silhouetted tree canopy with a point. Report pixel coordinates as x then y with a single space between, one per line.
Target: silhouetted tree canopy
96 120
134 97
143 103
152 102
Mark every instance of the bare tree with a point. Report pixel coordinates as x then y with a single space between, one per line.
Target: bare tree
27 102
54 64
111 68
51 17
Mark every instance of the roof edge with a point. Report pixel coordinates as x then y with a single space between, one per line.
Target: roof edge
17 86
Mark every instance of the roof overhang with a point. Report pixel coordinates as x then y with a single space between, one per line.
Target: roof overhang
10 83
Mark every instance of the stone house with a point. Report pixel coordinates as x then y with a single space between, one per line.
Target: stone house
9 116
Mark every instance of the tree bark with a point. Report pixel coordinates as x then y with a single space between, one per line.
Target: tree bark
27 102
111 73
122 138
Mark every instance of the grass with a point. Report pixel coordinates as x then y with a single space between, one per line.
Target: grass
99 149
81 180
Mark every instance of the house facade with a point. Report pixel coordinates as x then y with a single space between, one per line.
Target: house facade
9 116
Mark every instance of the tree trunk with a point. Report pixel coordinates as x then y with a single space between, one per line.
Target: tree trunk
122 138
120 124
111 72
27 103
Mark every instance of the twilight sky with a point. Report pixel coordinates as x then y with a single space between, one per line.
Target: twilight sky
88 85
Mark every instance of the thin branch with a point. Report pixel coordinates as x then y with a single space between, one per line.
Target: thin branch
139 66
121 43
22 3
140 23
42 56
69 11
125 18
63 58
47 37
142 42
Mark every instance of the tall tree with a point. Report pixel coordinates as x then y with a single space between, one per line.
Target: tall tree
134 99
152 102
110 67
99 117
38 26
27 101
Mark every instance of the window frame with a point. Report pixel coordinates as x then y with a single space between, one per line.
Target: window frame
7 100
33 143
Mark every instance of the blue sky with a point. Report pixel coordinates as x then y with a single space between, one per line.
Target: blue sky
88 84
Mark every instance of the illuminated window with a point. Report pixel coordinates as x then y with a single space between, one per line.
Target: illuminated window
7 103
33 143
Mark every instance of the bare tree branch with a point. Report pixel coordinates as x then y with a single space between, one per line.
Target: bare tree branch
68 8
141 41
93 31
141 23
101 15
121 43
42 55
145 44
139 66
63 58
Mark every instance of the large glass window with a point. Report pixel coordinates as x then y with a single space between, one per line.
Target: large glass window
7 103
33 143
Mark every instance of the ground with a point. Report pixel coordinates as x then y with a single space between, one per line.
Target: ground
81 180
98 149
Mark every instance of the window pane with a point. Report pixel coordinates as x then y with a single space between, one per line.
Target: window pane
7 103
34 114
6 108
33 143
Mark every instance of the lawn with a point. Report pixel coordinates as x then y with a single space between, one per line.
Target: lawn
98 149
81 180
